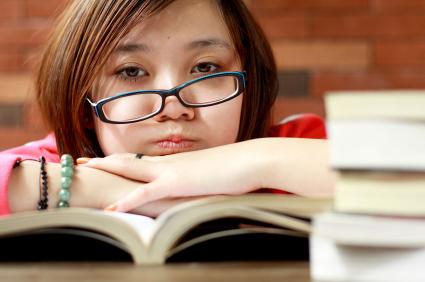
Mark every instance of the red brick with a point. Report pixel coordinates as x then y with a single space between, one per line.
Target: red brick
395 54
31 58
369 26
11 9
321 55
12 137
285 107
15 88
10 60
284 6
330 81
285 26
18 89
398 6
32 117
23 34
44 8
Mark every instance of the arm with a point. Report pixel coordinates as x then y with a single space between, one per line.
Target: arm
296 165
90 188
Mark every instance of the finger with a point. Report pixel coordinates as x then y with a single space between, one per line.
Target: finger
125 165
146 193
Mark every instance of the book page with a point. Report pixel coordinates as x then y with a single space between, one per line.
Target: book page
143 225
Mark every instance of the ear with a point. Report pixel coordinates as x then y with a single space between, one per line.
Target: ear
88 121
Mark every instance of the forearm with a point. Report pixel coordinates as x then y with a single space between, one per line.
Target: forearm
297 165
90 188
86 189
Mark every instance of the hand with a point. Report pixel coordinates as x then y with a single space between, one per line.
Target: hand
226 169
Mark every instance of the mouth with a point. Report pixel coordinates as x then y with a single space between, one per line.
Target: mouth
175 144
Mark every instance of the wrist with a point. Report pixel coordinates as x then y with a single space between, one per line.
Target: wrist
268 159
98 189
24 192
258 163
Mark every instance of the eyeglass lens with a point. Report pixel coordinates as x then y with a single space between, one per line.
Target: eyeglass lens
202 92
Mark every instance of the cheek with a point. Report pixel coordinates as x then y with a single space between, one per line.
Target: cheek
106 140
223 122
111 138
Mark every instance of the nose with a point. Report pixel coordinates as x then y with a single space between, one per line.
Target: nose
173 109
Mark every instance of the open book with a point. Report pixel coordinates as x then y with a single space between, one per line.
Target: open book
154 241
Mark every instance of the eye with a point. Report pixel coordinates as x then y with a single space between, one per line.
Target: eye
206 68
131 72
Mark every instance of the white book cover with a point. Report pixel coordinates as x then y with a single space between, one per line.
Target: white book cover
394 104
387 144
335 262
349 247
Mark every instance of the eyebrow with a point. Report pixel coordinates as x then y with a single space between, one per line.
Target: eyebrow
132 48
209 42
197 44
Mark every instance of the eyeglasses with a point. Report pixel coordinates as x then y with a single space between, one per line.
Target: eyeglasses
140 105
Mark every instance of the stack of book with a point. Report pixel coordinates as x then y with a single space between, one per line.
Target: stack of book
377 229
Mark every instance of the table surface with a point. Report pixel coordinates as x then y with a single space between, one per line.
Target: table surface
224 271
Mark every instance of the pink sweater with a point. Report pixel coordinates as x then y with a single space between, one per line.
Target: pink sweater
303 126
32 150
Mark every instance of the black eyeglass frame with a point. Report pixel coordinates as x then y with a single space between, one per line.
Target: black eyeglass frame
241 77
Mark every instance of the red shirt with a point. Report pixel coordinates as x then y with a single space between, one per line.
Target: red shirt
296 126
300 126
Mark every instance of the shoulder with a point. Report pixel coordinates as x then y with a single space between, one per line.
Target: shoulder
8 159
300 126
45 147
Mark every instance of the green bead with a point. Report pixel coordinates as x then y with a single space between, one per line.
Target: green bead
67 161
63 204
67 171
64 195
66 182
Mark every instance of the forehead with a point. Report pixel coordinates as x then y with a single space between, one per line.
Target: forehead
181 23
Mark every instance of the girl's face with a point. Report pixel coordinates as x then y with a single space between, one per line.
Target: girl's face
186 40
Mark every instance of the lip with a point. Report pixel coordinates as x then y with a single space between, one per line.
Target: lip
175 144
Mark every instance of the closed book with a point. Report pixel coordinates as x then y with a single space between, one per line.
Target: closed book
389 193
377 144
381 130
350 247
387 104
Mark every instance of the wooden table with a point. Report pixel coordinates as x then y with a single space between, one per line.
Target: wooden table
199 272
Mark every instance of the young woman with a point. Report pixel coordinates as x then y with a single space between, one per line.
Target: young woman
187 85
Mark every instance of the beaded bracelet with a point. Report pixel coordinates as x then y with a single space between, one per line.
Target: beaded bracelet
67 171
43 201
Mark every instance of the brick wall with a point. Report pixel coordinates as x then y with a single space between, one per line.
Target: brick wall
343 45
319 45
23 28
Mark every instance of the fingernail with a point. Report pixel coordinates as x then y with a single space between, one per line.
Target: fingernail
83 160
112 207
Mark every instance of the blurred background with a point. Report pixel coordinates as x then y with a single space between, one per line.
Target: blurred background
319 45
